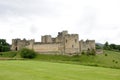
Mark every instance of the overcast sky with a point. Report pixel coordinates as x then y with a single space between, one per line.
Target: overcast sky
91 19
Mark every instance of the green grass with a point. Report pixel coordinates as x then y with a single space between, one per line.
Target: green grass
9 54
40 70
112 59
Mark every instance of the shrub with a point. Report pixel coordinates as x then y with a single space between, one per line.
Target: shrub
27 53
106 55
116 62
113 61
76 55
91 52
82 52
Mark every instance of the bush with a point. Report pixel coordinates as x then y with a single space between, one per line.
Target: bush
91 52
106 55
113 61
116 62
27 53
82 52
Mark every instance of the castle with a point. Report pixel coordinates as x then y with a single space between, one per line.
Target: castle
64 43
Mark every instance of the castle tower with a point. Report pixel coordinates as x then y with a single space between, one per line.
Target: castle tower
85 45
18 44
46 39
60 37
30 44
71 43
15 44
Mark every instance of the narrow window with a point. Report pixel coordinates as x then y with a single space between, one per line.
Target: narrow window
66 40
75 40
72 46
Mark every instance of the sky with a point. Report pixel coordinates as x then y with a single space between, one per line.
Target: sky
30 19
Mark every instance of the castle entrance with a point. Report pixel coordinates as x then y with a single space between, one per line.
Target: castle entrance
16 48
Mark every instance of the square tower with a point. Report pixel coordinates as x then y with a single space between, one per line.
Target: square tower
71 43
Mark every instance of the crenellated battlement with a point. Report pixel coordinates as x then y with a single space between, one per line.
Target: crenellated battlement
71 35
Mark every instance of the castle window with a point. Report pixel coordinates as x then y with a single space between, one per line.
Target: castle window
72 46
75 40
66 40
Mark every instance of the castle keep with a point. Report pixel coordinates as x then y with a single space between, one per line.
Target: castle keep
64 43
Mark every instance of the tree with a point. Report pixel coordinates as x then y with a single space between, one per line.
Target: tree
98 47
106 46
4 46
113 46
118 47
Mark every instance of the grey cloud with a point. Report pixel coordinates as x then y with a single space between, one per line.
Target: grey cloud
28 7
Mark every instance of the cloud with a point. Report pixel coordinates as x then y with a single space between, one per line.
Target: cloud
28 7
32 18
33 29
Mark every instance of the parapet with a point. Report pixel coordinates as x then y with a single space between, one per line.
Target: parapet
71 35
90 40
87 41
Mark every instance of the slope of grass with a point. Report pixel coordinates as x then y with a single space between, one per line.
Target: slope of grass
107 59
40 70
9 54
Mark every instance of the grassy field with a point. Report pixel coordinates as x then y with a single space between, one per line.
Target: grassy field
107 59
9 54
40 70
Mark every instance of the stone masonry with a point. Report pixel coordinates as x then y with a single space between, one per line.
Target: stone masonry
64 43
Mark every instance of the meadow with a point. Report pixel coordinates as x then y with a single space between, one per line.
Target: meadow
109 59
41 70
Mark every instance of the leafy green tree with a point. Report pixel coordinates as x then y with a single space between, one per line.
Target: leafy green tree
118 47
98 47
4 46
113 46
106 46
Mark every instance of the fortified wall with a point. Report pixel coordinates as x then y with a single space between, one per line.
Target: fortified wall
64 43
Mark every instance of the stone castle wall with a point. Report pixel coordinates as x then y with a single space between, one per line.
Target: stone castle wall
64 43
87 45
43 48
46 39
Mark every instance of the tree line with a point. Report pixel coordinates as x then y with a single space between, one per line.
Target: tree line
108 46
4 46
